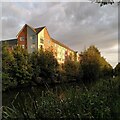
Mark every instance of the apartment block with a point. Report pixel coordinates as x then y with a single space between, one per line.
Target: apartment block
39 38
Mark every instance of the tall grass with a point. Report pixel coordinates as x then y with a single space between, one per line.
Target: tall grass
102 101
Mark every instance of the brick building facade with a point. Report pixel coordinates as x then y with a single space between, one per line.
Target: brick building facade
38 38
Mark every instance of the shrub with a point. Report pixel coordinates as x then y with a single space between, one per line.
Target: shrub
117 70
89 65
71 69
21 69
44 63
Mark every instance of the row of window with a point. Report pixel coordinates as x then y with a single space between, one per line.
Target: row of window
33 46
22 38
42 41
33 39
60 59
23 46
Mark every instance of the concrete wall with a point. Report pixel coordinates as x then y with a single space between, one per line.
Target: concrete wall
31 40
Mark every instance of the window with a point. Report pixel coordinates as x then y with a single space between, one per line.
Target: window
33 46
41 40
32 38
23 46
22 38
41 47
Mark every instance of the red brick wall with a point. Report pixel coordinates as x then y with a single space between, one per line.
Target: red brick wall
23 33
47 42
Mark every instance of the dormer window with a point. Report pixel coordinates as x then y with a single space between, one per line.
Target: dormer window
22 38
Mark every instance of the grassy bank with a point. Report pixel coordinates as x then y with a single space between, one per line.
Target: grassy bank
98 101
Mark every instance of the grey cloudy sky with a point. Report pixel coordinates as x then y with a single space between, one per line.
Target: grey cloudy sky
78 24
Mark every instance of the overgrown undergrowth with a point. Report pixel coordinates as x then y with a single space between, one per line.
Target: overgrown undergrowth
101 101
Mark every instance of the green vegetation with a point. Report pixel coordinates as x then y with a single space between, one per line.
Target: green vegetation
44 65
93 66
7 60
117 70
96 94
71 69
101 101
90 66
21 67
104 2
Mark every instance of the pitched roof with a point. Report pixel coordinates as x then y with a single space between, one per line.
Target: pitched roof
39 29
61 44
24 27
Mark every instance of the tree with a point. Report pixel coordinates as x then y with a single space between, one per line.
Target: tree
93 66
89 65
44 63
21 69
106 69
104 2
7 61
117 70
71 69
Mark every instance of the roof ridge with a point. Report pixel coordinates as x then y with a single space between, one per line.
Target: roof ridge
39 27
62 44
24 27
31 27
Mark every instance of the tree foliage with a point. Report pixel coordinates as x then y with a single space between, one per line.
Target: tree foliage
103 2
90 64
44 64
106 69
71 69
117 70
93 66
7 62
21 69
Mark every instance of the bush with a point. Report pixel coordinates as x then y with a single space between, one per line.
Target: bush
117 70
21 67
7 63
89 65
44 63
71 69
16 68
93 66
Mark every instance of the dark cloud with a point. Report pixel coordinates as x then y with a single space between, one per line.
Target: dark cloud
77 25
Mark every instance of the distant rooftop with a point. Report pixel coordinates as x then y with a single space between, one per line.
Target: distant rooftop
10 41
